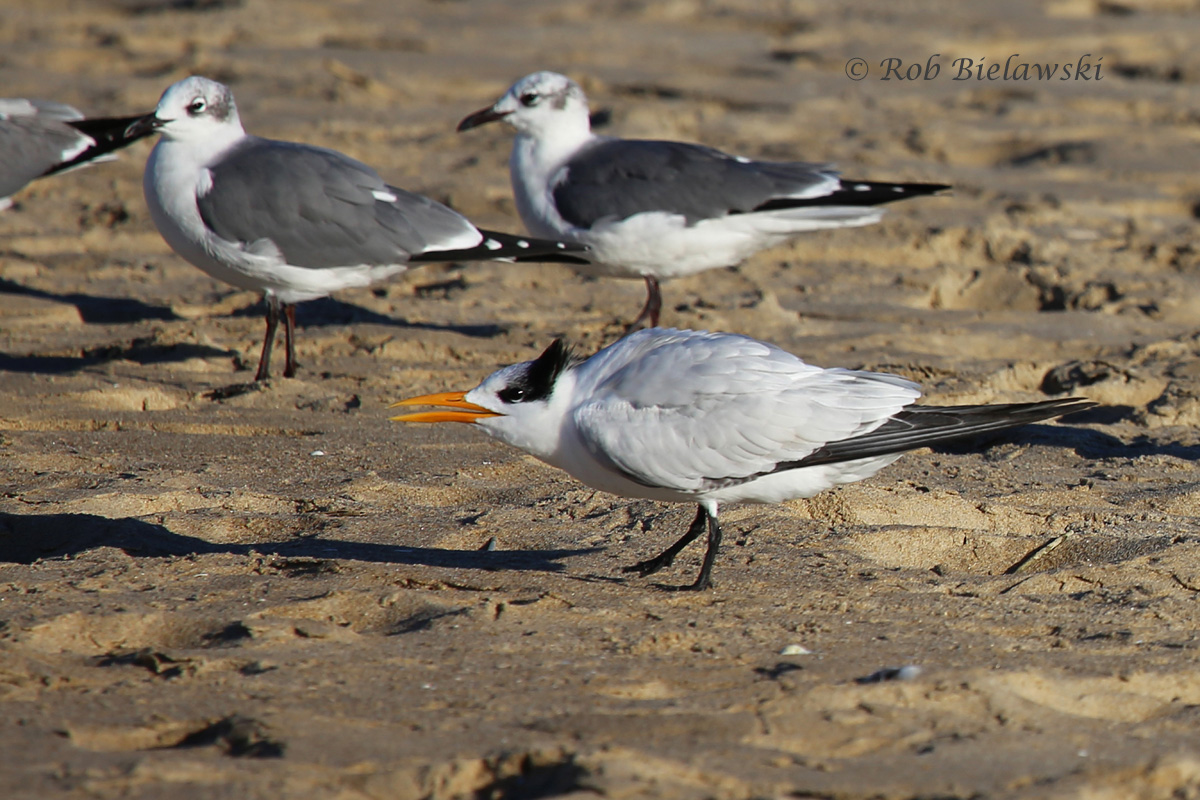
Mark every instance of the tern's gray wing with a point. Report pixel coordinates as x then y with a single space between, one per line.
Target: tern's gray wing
323 209
718 408
616 178
33 139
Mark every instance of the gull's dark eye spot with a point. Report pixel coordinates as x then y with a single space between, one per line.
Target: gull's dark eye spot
530 99
197 106
512 394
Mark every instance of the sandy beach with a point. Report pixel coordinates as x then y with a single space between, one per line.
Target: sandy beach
281 594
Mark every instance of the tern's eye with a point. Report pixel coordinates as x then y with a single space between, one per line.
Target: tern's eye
512 394
197 106
530 99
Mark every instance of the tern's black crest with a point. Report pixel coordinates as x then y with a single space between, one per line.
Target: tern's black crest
537 381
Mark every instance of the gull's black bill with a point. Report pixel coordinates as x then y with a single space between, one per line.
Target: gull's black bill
143 126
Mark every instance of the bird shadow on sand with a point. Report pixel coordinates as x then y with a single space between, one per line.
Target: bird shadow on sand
140 350
146 350
96 310
103 311
25 538
1085 442
329 311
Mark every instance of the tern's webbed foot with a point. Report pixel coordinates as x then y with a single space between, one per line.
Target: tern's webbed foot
700 585
667 557
652 565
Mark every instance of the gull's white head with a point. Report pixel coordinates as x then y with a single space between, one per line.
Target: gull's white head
541 104
195 110
523 405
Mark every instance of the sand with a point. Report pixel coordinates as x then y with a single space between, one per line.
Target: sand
280 594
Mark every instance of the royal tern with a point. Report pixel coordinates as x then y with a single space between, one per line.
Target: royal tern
661 209
294 221
711 418
40 137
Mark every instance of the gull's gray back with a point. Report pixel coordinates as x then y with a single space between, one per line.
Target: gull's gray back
320 208
616 178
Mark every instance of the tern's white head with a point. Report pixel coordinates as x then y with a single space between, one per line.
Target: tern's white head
544 104
197 111
524 405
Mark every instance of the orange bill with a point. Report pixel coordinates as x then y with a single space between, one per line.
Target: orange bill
465 412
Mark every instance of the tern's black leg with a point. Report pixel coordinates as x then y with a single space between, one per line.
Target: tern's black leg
264 360
667 557
653 306
289 333
704 579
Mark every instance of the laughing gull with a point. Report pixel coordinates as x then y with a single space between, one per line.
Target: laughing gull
294 221
41 137
710 419
662 209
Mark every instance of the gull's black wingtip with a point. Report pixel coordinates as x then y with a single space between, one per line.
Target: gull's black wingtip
857 193
498 246
874 193
109 134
